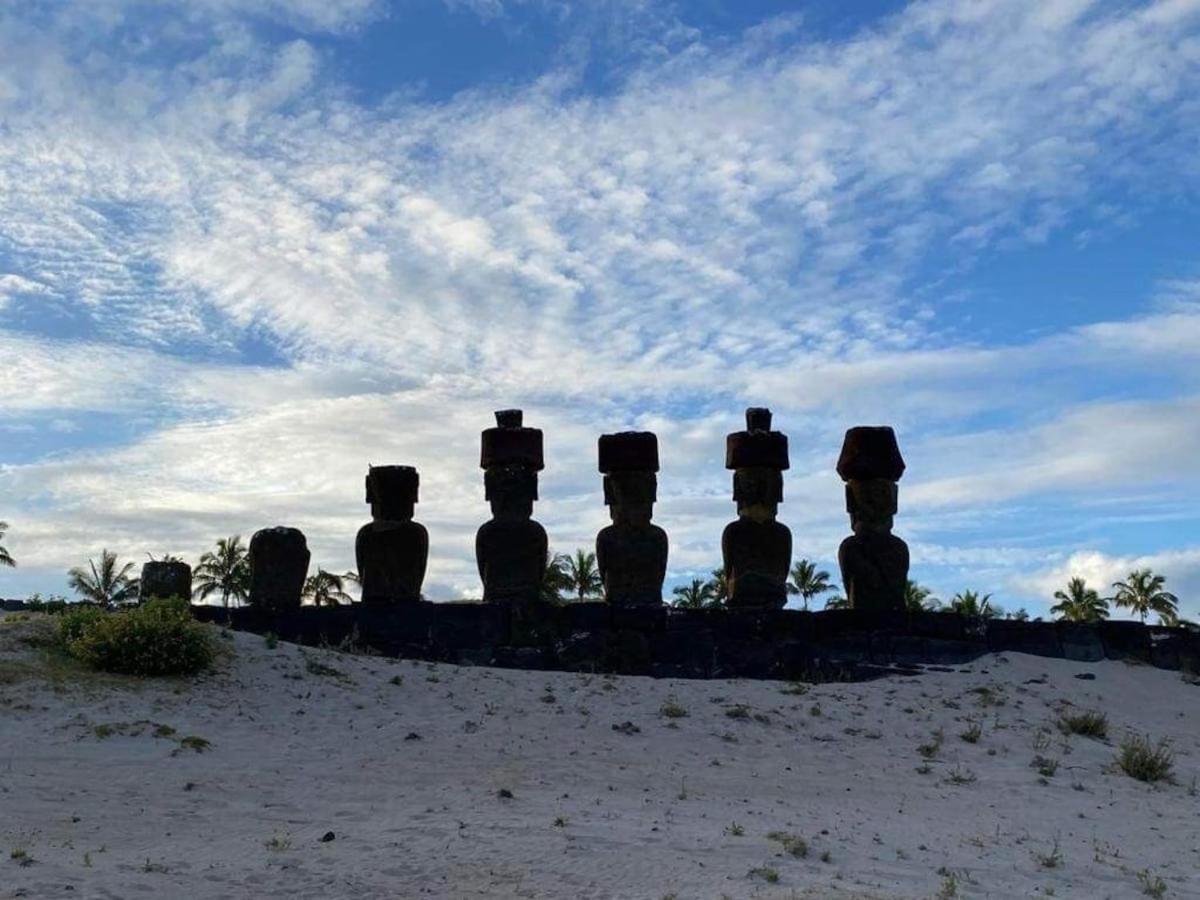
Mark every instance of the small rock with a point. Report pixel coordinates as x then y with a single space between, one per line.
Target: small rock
327 837
412 736
626 728
1086 676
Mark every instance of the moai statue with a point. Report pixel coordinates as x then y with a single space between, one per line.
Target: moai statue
874 561
391 550
165 578
510 550
278 565
631 553
757 550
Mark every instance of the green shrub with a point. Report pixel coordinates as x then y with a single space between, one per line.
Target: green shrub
75 621
157 638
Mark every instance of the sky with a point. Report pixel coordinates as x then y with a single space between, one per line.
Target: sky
248 247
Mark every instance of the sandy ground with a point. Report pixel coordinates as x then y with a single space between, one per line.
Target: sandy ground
401 766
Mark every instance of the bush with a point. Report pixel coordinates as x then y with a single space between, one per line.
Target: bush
75 621
157 638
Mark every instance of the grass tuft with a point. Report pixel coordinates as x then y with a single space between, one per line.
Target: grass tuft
1089 723
1141 758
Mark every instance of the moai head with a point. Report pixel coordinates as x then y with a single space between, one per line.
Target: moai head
870 464
629 462
511 457
758 457
392 492
278 559
165 578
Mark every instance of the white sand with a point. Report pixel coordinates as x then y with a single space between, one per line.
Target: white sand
681 808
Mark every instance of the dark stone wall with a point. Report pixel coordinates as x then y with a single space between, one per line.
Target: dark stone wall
718 643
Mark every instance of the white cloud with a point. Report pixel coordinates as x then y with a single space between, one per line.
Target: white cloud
1101 570
736 222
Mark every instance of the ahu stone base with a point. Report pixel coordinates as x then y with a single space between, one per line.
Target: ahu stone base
674 643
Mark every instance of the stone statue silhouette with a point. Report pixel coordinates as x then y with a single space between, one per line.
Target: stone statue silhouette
391 550
874 562
757 549
511 548
631 553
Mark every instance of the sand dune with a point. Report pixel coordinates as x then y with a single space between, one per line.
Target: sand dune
400 766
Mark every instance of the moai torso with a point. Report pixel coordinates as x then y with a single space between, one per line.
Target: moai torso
392 550
874 562
510 550
756 557
757 549
631 553
278 565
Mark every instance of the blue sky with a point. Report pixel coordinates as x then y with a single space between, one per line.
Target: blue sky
247 248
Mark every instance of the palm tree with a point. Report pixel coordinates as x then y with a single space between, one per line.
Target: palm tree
918 598
697 595
556 580
583 578
1079 603
970 603
1143 594
719 584
808 582
325 589
108 584
225 571
837 602
5 558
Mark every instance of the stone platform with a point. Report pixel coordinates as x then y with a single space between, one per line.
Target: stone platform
675 643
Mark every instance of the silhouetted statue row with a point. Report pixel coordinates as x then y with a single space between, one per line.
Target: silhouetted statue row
631 554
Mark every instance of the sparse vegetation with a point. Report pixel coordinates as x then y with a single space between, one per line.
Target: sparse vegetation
1089 723
1050 859
972 733
194 742
1046 766
961 776
1152 885
948 889
738 711
1141 758
931 747
672 710
314 666
735 830
279 842
766 873
792 844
